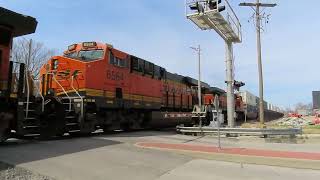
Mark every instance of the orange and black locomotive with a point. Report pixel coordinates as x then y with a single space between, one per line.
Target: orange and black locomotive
103 87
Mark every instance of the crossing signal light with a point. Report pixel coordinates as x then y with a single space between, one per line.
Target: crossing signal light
196 7
221 8
238 84
213 5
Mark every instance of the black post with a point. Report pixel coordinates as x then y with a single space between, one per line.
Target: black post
9 80
21 80
43 90
47 84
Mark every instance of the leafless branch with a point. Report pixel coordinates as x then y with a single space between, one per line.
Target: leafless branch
39 54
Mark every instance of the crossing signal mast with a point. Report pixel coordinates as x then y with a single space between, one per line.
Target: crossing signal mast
218 15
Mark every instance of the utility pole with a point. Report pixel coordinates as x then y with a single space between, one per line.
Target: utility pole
27 63
258 17
230 83
29 54
198 50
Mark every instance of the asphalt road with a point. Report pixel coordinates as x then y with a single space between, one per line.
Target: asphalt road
116 156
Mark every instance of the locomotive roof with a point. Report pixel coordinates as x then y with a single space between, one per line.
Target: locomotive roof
21 24
194 82
217 90
174 77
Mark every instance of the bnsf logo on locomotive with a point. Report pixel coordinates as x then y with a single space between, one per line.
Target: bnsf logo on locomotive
116 76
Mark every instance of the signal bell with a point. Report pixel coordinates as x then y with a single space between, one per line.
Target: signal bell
238 84
196 6
213 5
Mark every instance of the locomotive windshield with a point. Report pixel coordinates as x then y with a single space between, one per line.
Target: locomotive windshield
72 55
90 55
86 55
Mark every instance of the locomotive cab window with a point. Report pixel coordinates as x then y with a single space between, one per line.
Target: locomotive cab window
134 63
141 65
71 55
163 73
157 72
148 68
90 55
117 61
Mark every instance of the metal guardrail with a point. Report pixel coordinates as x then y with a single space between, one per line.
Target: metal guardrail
240 131
39 93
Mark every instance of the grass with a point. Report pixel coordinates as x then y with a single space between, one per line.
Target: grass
315 129
309 129
257 125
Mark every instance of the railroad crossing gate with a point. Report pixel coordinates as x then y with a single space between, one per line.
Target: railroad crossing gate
217 15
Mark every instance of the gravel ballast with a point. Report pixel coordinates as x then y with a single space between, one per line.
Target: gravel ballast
9 172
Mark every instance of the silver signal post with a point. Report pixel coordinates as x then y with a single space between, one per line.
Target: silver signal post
218 15
198 50
218 118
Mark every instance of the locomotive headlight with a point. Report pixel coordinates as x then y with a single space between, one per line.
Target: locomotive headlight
89 44
55 64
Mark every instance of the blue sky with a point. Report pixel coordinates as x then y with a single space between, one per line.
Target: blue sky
157 30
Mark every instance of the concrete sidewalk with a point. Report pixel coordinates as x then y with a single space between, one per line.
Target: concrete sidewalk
209 170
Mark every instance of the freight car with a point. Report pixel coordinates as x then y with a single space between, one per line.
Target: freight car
251 104
20 111
11 25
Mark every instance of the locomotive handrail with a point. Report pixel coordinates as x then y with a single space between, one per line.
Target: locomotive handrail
28 91
81 108
64 91
39 93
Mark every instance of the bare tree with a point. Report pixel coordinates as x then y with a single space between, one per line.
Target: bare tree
303 106
309 106
33 54
288 110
